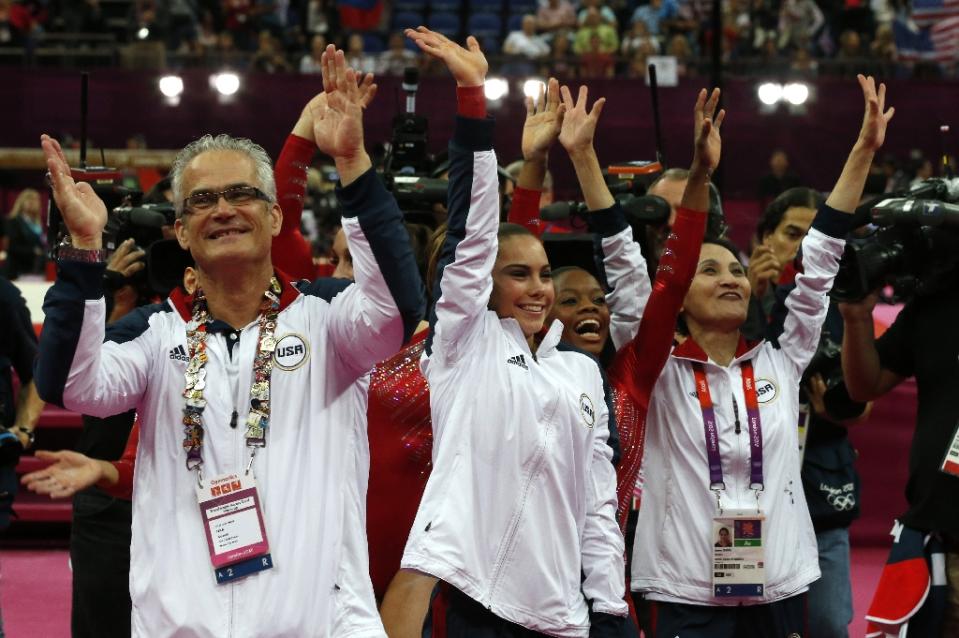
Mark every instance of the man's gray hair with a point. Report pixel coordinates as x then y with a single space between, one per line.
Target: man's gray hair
223 142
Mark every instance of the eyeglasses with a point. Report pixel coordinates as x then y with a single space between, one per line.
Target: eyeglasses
235 196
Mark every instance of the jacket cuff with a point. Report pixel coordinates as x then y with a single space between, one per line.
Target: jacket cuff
607 221
474 134
471 101
366 192
84 277
301 148
832 222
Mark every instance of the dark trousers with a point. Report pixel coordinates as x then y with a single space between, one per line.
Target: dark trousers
781 619
466 618
100 555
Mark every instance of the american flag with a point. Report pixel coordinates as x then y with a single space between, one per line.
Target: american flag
927 13
936 43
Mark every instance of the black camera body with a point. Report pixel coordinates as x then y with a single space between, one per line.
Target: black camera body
914 249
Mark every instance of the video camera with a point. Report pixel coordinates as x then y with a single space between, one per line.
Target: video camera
408 166
915 248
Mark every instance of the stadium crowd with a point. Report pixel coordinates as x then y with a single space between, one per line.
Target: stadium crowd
564 38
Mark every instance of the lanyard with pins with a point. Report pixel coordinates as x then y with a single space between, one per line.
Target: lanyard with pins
258 419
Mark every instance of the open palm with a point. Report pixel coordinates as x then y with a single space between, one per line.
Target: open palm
708 143
70 473
338 123
544 118
876 117
84 213
579 125
467 64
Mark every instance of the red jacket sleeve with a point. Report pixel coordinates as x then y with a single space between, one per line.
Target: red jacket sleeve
291 252
124 487
525 210
639 363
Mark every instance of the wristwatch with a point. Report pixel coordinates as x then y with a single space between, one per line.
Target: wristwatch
66 252
31 434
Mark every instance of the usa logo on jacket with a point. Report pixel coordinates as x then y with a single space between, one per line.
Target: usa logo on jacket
292 351
766 391
587 411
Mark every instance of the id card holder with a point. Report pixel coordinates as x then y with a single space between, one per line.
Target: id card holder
950 464
233 521
738 554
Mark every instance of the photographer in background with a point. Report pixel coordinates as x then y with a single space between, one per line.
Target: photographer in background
829 478
923 343
18 418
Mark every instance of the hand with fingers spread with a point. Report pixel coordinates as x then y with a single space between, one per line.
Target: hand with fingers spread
468 65
338 125
304 125
876 117
579 125
70 473
544 119
84 213
708 144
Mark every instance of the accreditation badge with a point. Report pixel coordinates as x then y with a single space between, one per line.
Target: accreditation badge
738 563
233 522
950 464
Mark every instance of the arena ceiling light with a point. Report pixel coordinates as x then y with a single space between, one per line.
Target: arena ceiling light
496 88
796 93
532 87
226 83
770 93
171 86
143 33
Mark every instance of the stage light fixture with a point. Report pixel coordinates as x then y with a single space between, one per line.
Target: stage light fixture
171 86
770 93
143 33
496 88
796 93
226 83
532 87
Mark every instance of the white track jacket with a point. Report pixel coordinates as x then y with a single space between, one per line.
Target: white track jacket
672 554
313 472
520 505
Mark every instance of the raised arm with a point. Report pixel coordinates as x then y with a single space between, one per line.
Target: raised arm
377 315
544 118
75 369
823 246
292 254
638 365
464 271
621 258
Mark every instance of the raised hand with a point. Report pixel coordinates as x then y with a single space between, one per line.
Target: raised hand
764 269
708 144
579 125
468 65
876 117
84 213
70 473
338 124
544 119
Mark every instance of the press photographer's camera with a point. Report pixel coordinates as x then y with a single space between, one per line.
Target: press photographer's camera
915 248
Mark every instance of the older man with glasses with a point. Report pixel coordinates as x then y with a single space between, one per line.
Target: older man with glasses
249 493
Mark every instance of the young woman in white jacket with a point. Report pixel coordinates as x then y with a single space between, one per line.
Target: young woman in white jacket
518 516
724 545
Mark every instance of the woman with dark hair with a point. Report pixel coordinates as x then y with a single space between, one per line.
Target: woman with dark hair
518 515
722 436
